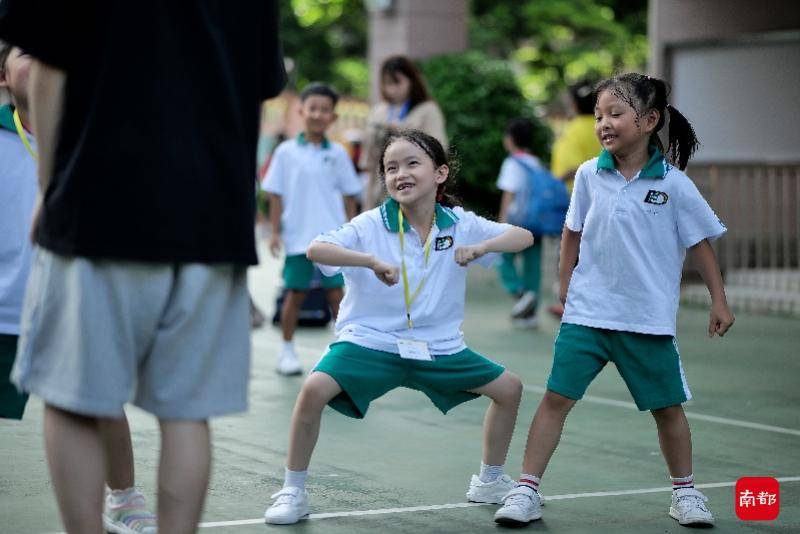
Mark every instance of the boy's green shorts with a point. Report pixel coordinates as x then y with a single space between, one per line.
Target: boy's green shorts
12 402
298 271
649 364
366 374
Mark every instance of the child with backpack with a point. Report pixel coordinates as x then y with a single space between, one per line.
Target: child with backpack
526 186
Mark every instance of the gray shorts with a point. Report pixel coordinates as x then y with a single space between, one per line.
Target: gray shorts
172 338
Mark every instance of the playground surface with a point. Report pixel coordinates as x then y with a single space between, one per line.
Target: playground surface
405 467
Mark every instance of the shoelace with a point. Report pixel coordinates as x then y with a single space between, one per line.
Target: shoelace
693 500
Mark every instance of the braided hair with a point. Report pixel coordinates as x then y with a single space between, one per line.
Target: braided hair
644 93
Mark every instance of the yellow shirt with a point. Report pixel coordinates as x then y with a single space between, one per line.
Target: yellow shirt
578 144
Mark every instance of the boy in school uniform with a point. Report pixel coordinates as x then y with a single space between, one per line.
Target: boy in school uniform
307 178
513 181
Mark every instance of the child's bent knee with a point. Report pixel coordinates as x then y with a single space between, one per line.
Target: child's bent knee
515 388
556 402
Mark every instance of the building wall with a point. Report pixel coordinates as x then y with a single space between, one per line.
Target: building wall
676 22
734 70
418 29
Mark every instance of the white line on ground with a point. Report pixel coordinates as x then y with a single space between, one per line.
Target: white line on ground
689 415
383 511
629 405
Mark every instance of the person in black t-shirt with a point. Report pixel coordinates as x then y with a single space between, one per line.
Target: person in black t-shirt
146 116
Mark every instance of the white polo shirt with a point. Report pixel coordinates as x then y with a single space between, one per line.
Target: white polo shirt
311 180
513 176
18 189
372 314
633 244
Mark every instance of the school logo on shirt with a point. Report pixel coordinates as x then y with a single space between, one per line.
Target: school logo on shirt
443 243
656 197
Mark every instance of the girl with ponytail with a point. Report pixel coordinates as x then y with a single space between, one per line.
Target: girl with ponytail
632 216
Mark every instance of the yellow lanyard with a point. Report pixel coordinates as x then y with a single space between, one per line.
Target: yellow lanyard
411 297
23 135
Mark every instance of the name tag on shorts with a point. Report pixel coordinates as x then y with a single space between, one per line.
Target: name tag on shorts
412 349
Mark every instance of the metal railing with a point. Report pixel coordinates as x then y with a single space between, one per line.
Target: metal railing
760 205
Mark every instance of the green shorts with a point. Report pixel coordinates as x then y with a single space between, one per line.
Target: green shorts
649 364
12 402
366 374
298 271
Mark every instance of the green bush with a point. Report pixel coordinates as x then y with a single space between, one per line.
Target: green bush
478 95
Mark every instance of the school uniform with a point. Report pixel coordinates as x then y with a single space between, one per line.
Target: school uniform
311 181
18 189
513 178
623 296
365 361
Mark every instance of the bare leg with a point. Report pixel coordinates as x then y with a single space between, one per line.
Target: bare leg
545 432
116 436
76 458
334 297
183 474
318 390
675 439
289 312
498 425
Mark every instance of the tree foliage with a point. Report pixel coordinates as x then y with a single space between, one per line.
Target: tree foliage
550 43
553 43
326 40
478 96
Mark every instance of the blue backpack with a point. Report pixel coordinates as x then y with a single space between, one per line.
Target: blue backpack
542 206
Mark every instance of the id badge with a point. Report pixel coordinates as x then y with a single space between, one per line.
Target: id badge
412 349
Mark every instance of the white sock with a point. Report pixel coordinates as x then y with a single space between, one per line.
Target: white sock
532 481
296 479
490 473
288 345
682 482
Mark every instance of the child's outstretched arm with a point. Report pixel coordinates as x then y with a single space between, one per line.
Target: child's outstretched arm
567 260
721 317
514 239
330 254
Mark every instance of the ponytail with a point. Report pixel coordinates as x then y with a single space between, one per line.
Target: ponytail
682 139
643 93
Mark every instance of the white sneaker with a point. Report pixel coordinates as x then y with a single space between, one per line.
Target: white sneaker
689 507
520 506
525 305
525 323
129 516
288 363
290 506
489 492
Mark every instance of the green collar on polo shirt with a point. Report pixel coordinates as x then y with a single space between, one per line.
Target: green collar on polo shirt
301 140
7 118
445 217
655 167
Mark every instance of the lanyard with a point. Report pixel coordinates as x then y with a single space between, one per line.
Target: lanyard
23 135
411 297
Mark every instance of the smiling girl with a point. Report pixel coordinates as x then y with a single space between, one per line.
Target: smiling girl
632 217
399 323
